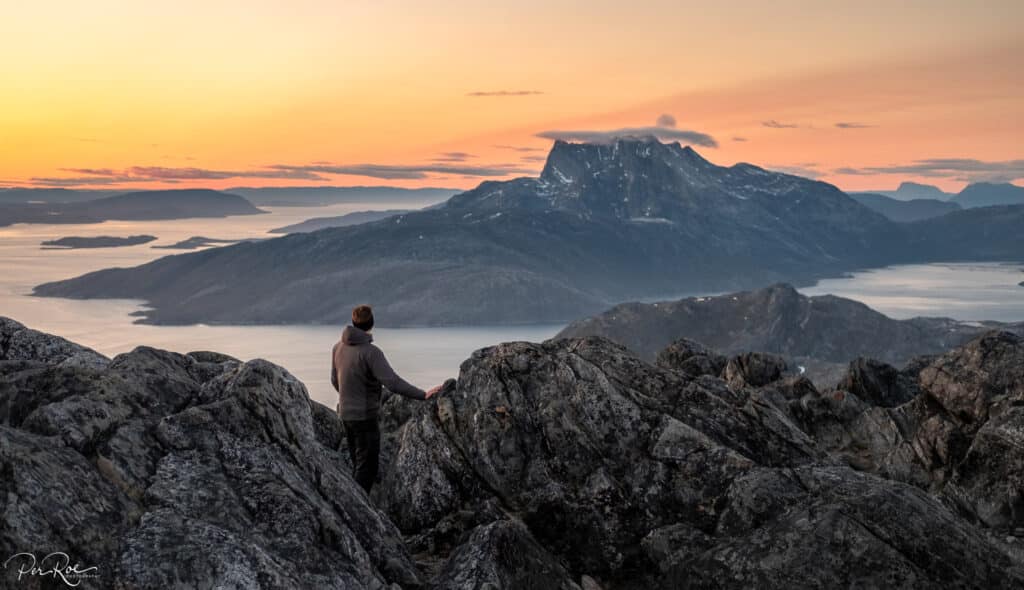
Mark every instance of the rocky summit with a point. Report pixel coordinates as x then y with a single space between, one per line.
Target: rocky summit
568 464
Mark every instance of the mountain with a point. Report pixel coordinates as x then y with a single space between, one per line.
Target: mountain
978 234
814 331
987 194
910 210
354 218
908 191
603 223
557 466
76 242
143 205
316 196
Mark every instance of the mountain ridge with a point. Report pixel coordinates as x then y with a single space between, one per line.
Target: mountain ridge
602 224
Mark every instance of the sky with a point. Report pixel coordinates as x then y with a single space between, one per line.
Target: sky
217 93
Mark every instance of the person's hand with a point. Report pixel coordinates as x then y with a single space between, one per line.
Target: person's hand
448 384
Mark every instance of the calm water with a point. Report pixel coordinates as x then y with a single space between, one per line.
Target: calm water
963 291
425 356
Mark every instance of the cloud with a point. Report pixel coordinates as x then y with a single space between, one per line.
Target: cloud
162 173
534 158
319 171
851 125
517 148
403 172
773 124
480 93
453 157
741 139
664 129
961 169
665 120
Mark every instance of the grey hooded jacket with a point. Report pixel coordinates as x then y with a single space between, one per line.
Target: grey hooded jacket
358 371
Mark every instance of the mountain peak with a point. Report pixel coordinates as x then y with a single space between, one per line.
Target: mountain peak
573 163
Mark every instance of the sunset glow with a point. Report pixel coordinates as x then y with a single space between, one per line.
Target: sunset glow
218 94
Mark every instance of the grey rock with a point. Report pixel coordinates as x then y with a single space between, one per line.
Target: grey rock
756 369
199 471
880 384
564 465
503 555
692 358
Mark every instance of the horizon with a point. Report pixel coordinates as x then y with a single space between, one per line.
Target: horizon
116 96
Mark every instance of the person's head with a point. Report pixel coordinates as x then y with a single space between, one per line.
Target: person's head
362 317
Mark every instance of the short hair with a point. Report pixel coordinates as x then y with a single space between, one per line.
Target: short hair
362 317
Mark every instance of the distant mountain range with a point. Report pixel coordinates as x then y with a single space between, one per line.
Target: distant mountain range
912 190
979 194
145 205
815 331
987 194
912 210
603 223
11 196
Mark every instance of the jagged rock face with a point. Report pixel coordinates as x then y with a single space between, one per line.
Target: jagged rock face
191 471
880 384
564 465
957 434
639 476
692 358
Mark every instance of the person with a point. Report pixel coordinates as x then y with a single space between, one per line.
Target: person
358 372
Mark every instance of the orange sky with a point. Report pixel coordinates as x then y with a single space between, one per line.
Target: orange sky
223 93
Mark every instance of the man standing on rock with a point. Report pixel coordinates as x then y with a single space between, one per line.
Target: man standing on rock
359 370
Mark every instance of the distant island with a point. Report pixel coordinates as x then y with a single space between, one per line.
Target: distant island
198 242
354 218
76 242
135 206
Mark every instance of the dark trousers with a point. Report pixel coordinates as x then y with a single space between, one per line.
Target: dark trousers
363 438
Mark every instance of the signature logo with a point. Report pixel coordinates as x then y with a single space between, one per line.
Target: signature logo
57 565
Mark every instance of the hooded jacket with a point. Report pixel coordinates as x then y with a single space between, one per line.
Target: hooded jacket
358 372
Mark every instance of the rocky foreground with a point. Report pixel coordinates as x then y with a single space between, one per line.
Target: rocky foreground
564 465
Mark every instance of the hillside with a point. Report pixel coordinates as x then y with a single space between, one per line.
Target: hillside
905 210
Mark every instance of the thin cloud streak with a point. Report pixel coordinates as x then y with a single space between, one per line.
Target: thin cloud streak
961 169
852 125
773 124
493 93
517 148
413 172
604 136
319 171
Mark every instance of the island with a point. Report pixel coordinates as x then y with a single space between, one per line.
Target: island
78 242
136 206
198 242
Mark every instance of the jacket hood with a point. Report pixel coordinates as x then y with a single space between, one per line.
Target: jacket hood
353 335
